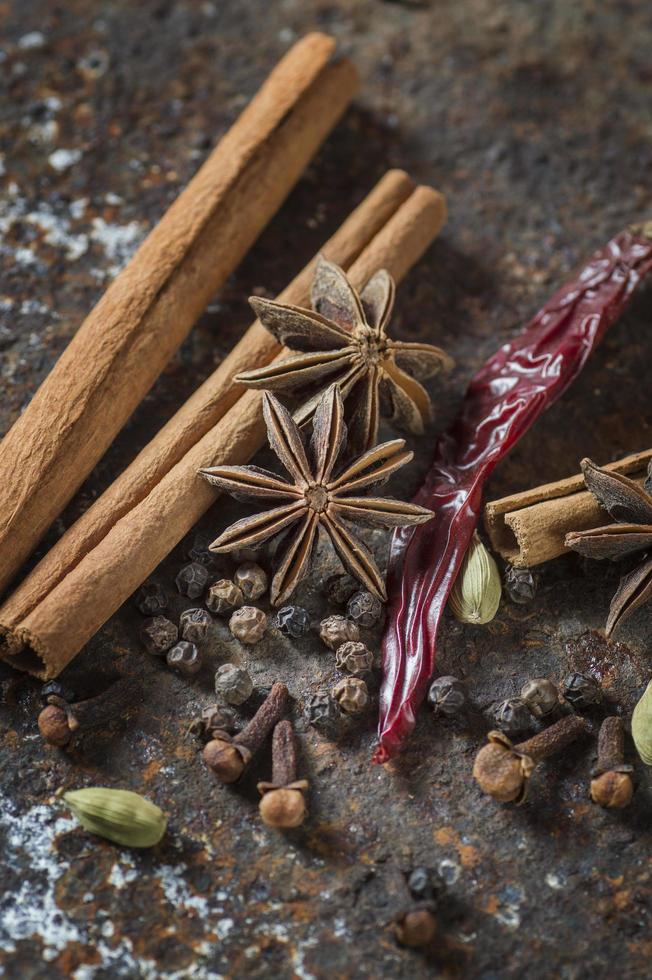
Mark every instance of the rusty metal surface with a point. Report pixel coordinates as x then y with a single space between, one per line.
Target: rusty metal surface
534 120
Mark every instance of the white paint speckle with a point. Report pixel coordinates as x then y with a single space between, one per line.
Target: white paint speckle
118 241
32 41
62 159
223 927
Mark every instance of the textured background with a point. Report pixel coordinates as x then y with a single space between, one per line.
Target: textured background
533 118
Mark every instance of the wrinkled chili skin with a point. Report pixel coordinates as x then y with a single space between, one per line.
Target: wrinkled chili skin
502 401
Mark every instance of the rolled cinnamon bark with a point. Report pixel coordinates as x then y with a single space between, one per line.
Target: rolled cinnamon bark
203 409
69 615
529 528
127 339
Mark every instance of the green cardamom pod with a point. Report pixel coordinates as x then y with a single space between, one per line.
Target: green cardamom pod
119 815
642 726
475 597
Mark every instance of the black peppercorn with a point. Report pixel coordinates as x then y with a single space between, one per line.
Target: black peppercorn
511 716
151 599
422 883
58 690
185 658
323 713
541 696
520 585
581 690
199 553
338 589
195 625
192 580
158 635
364 609
292 621
447 696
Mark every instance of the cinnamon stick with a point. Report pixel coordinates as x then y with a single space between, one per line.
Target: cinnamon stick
202 411
529 528
54 631
127 339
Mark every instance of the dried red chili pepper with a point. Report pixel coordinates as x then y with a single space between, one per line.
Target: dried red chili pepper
503 400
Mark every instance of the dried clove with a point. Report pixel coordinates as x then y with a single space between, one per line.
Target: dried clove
283 803
503 769
611 780
417 927
229 756
60 719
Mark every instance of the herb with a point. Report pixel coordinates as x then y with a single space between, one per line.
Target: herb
504 399
316 497
630 505
343 340
119 815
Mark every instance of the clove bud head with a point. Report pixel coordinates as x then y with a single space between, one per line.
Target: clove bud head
417 927
612 789
53 726
500 771
224 759
283 808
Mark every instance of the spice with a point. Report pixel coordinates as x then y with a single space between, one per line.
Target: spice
511 716
611 781
151 599
248 624
323 713
229 756
103 710
475 597
158 635
199 551
283 803
422 884
417 927
642 726
336 630
195 625
581 690
292 621
251 579
520 585
502 402
148 310
630 506
192 580
447 696
315 498
128 531
233 684
541 696
503 769
58 689
364 609
339 588
224 596
529 527
185 658
119 815
216 717
353 657
352 695
343 340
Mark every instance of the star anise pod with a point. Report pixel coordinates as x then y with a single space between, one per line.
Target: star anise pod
630 505
317 496
343 340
